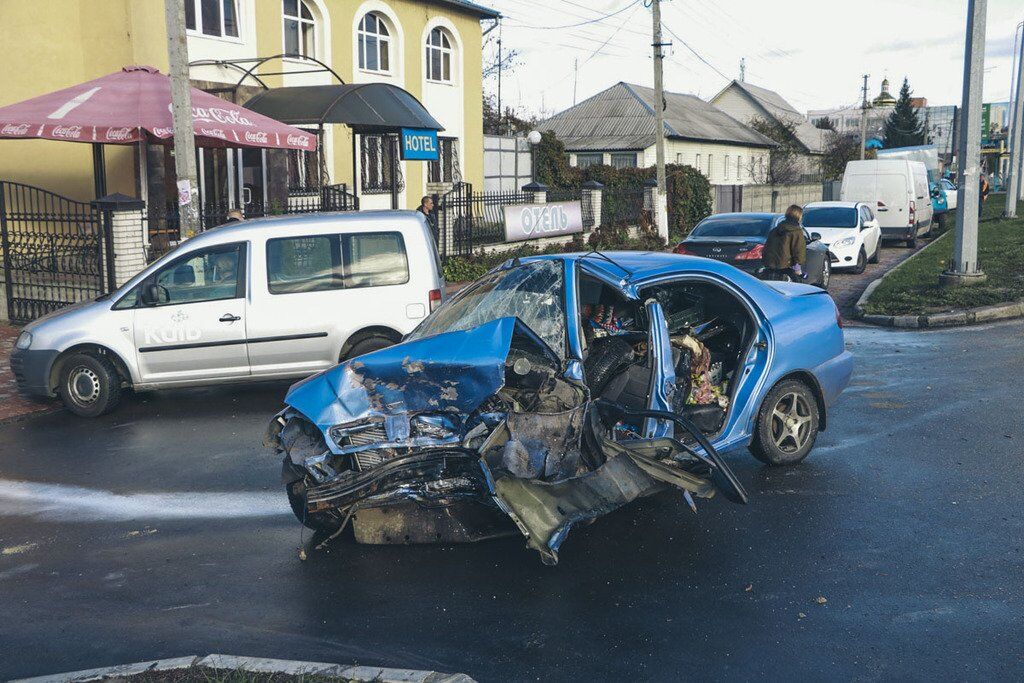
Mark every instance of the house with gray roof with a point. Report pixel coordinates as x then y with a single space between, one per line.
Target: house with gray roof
617 127
746 102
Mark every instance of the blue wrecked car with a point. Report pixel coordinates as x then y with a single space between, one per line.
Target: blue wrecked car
556 389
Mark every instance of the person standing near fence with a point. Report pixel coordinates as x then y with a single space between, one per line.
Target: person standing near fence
426 207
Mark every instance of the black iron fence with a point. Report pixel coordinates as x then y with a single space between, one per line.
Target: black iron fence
574 194
465 220
164 227
55 251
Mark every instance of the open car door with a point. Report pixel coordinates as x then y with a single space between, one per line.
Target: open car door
626 468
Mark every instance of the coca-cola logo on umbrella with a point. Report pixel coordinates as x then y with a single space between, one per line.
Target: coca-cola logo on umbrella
214 133
218 115
119 134
299 140
12 129
69 132
258 137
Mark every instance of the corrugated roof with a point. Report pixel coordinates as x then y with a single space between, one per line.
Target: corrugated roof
809 135
471 7
622 117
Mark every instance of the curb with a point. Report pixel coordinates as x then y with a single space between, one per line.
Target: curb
858 308
262 665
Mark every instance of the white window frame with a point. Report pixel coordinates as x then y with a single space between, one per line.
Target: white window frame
739 167
301 21
198 13
726 167
439 52
383 41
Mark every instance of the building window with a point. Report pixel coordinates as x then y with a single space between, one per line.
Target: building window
299 29
753 167
725 167
709 166
589 159
374 44
439 56
739 162
217 18
446 168
696 162
623 159
376 153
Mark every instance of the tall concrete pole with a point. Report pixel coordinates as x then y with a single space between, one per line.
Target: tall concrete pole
1013 188
661 196
963 267
864 116
181 110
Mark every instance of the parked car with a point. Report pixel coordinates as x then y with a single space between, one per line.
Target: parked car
738 239
848 229
263 299
950 190
897 190
556 389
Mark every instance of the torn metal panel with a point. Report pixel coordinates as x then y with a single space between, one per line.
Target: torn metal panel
407 522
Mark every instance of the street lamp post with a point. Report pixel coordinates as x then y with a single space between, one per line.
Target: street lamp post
533 137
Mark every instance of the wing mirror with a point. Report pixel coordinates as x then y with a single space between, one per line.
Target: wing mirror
815 236
154 295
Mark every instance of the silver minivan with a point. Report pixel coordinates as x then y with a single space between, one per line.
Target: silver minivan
270 298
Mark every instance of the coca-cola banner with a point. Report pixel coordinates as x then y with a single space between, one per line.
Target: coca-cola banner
135 104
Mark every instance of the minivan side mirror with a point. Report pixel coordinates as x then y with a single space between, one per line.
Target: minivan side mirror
815 236
154 295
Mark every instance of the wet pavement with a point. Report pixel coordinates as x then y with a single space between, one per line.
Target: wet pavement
893 552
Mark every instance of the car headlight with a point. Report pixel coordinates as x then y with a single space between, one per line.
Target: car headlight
24 341
845 242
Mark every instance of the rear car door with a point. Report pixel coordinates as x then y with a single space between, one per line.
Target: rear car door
194 329
893 200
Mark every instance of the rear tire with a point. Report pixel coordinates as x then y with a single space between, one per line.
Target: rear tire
912 242
826 273
366 345
787 424
89 385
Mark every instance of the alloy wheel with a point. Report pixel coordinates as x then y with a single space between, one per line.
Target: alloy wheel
791 422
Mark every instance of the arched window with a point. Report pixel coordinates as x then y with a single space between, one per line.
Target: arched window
439 56
299 29
374 44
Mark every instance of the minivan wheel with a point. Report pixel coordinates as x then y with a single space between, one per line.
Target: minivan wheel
787 424
367 345
912 242
826 273
89 386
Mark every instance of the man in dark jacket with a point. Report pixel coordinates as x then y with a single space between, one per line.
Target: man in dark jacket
786 248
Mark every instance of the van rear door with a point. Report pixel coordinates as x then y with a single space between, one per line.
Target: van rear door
892 201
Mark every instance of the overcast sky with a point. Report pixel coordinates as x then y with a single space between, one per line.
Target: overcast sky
812 53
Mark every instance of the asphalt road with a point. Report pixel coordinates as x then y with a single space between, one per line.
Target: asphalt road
161 531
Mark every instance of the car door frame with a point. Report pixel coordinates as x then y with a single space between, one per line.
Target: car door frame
241 290
873 228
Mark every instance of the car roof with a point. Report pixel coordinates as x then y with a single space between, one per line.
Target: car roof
643 265
838 205
292 225
745 214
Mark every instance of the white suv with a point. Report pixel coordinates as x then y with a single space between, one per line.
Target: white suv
849 229
264 299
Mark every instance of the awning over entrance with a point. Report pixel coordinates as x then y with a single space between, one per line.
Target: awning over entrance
364 107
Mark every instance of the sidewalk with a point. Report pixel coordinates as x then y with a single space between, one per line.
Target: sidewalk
12 404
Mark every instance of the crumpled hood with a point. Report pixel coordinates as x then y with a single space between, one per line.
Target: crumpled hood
452 372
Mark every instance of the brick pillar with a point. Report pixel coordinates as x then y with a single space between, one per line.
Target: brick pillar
539 192
124 224
590 198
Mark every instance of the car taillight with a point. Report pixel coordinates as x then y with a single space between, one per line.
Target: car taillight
839 316
680 249
435 299
754 253
913 211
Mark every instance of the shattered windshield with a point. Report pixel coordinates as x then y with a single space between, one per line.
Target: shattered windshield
530 292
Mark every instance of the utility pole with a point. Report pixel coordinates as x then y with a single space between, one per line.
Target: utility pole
181 110
660 197
501 112
575 78
963 267
864 116
1016 138
743 69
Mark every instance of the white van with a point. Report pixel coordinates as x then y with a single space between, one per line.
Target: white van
269 298
897 192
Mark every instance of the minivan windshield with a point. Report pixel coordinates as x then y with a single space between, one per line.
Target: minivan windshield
532 292
830 217
734 226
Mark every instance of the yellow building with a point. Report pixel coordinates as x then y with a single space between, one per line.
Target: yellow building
430 48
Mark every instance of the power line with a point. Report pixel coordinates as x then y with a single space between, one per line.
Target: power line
582 23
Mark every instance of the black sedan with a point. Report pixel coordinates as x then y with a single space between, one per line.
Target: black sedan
738 239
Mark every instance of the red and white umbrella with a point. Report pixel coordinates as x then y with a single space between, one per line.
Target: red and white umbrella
134 104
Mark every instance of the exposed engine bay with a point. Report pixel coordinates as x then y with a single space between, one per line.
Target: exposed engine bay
474 433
